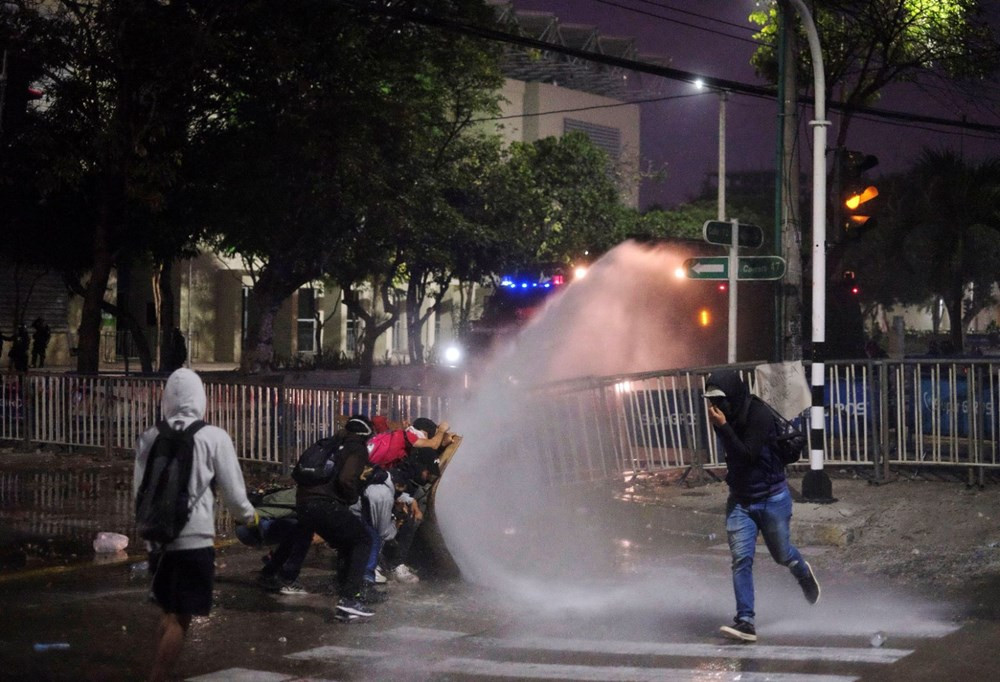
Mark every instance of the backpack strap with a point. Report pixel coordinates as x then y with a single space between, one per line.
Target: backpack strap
193 428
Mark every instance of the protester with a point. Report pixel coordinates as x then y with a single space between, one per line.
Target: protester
279 525
325 509
387 448
374 509
184 569
759 499
18 352
412 478
39 342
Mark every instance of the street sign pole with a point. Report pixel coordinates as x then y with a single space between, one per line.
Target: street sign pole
733 294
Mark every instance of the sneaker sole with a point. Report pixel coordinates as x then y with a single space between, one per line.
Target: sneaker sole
298 593
733 633
355 612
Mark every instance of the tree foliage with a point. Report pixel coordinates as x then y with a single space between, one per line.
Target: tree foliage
121 81
939 238
868 44
327 121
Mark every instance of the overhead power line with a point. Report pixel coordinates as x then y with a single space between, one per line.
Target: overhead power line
667 72
653 15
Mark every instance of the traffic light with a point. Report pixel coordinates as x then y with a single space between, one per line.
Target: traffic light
851 283
857 194
15 85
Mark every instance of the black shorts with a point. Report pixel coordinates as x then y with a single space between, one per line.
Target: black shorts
183 579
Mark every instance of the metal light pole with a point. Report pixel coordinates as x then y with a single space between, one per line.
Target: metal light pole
733 257
816 485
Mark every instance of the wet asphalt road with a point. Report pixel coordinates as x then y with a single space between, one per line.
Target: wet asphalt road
655 619
444 628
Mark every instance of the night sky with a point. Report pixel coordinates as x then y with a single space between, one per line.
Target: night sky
682 130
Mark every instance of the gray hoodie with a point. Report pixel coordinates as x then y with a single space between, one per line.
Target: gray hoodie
214 460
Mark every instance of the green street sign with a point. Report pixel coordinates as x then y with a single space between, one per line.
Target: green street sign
707 268
721 232
761 267
749 268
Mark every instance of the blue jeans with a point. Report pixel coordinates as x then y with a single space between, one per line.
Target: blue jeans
373 556
743 521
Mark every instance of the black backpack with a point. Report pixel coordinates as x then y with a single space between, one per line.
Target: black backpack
319 464
163 504
788 442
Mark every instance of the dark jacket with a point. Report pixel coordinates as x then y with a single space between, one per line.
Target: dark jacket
346 486
754 471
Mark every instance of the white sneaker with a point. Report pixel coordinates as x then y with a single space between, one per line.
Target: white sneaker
380 578
403 574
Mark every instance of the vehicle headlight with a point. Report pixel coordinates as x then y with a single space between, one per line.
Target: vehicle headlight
452 354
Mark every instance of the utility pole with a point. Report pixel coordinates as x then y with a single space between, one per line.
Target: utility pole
816 485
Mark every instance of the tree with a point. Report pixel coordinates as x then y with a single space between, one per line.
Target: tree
939 238
121 81
308 151
868 44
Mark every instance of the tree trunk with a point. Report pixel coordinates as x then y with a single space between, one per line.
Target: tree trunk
368 355
957 332
414 324
88 359
165 315
265 299
373 329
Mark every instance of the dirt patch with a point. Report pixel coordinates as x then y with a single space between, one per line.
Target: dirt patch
920 528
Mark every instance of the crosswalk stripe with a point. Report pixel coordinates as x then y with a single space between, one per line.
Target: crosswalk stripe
692 649
554 671
550 671
330 652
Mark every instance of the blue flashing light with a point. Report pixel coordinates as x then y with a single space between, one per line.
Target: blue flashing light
526 284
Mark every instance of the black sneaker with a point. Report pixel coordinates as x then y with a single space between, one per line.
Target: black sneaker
741 630
809 585
353 607
292 587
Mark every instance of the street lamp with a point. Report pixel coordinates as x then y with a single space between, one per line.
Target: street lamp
733 258
723 97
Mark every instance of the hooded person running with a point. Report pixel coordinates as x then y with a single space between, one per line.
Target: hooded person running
184 569
759 499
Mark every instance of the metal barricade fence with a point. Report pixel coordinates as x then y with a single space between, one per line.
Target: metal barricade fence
268 423
925 412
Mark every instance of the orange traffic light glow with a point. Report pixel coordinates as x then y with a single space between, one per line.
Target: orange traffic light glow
855 200
704 319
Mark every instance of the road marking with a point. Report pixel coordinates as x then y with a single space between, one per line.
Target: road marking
550 671
330 652
554 671
245 675
631 648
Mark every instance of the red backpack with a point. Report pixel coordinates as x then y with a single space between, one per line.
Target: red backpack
387 448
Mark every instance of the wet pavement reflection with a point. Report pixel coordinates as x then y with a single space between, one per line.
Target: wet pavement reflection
51 517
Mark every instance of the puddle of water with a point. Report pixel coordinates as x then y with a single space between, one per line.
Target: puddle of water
53 517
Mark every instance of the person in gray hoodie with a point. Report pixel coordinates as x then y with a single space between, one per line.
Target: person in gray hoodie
184 570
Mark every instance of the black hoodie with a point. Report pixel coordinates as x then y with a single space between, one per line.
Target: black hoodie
754 472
